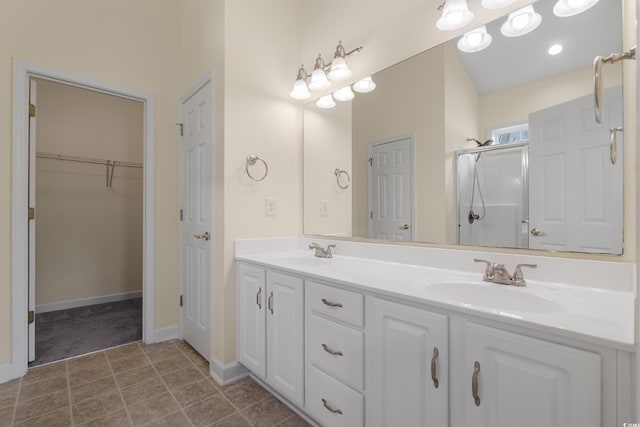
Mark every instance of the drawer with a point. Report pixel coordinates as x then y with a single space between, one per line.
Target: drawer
324 338
332 403
336 303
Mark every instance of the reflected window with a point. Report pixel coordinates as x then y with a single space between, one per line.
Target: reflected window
510 134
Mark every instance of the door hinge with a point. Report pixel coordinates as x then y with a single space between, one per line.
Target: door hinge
371 214
32 110
370 161
31 317
180 214
181 126
32 213
181 300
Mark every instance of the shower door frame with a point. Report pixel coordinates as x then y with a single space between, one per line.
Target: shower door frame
524 148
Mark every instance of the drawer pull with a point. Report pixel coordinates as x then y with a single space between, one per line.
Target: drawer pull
330 351
474 383
258 298
270 303
330 409
434 377
331 304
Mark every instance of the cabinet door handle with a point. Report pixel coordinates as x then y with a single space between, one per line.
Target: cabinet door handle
270 302
331 304
331 409
474 383
434 377
330 351
258 298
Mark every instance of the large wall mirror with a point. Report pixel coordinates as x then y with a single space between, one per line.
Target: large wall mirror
497 147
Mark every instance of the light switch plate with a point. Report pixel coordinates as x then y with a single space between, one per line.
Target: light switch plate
324 208
270 206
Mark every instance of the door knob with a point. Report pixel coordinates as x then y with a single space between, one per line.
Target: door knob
205 236
536 232
405 227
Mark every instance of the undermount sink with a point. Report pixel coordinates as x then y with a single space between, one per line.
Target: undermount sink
498 298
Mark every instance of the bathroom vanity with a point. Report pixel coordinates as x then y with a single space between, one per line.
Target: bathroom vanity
366 339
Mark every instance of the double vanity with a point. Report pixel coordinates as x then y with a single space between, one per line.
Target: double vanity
389 335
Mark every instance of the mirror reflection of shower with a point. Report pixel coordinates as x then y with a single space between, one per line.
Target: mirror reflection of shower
492 195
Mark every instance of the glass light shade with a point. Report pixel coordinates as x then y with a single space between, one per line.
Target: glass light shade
496 4
555 49
365 85
475 40
565 8
326 102
339 70
300 90
344 94
319 80
521 22
455 14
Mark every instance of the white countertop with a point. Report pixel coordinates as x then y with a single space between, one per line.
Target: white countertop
600 316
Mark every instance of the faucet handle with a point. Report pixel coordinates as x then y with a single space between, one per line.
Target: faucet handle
328 251
488 272
517 274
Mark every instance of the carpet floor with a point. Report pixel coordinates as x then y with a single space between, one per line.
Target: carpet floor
75 331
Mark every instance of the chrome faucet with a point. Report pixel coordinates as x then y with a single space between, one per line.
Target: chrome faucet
320 252
497 273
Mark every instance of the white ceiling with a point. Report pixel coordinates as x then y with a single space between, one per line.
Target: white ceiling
510 62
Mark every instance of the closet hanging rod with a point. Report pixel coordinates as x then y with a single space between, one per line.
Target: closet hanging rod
80 159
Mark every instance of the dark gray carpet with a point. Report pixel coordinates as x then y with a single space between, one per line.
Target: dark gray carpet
66 333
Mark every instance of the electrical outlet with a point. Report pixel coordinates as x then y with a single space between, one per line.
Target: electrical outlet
324 208
270 206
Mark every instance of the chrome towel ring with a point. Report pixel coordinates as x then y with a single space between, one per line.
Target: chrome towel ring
339 172
251 160
598 62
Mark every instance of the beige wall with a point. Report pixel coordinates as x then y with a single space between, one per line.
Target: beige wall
89 237
327 136
129 44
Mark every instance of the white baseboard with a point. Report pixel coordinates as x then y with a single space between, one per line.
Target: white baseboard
226 373
63 305
166 334
6 373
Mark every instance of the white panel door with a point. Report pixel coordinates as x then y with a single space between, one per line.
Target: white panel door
522 381
32 222
252 351
285 335
196 193
403 388
391 190
575 192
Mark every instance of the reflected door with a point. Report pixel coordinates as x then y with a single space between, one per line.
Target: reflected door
575 190
391 190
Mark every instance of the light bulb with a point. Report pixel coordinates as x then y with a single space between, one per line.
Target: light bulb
300 90
454 17
475 40
326 102
555 49
566 8
365 85
455 14
344 94
520 21
339 70
319 80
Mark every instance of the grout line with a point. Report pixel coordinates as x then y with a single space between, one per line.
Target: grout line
71 419
167 386
124 404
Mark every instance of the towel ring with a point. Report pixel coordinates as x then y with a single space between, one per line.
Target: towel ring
339 172
251 160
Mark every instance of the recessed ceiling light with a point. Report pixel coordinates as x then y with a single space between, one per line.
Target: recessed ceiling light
475 40
455 14
521 22
555 49
565 8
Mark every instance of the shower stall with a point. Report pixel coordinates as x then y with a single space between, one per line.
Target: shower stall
493 199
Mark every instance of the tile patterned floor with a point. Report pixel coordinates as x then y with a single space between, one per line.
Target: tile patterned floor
166 384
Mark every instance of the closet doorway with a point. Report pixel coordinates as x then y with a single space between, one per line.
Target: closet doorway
86 235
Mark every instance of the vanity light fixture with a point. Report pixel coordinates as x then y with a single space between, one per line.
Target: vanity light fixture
344 94
365 85
496 4
565 8
455 14
521 22
300 90
555 49
322 74
319 80
326 102
475 40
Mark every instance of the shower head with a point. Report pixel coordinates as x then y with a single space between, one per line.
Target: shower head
473 216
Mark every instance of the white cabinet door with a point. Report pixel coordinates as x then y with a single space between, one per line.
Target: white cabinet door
251 318
285 335
401 342
521 381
